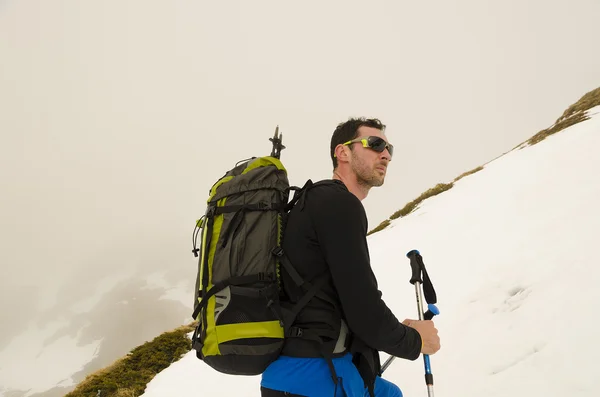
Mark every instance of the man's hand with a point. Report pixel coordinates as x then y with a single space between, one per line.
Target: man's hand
428 332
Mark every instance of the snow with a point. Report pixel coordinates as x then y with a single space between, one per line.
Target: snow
40 353
191 375
42 365
511 251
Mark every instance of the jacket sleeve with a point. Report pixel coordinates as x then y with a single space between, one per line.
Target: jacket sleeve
340 223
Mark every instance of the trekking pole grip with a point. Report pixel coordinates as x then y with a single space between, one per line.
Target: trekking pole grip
415 266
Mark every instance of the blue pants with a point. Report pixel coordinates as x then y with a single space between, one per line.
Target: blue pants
311 377
383 388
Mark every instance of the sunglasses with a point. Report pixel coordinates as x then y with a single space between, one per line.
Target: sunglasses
374 143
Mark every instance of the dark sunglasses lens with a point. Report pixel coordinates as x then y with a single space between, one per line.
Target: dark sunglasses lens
378 144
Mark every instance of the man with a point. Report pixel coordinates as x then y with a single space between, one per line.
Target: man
333 349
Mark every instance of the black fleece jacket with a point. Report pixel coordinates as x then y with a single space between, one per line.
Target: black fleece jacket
328 231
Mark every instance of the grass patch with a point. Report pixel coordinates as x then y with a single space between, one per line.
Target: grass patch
128 376
559 126
588 101
410 207
126 393
381 226
573 115
474 170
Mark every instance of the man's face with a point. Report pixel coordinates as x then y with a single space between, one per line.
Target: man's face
368 165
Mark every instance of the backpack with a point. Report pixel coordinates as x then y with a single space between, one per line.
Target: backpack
241 325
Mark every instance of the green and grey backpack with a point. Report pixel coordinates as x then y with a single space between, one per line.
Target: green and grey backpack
237 296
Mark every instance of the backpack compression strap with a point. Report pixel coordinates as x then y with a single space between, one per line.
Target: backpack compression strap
239 280
239 210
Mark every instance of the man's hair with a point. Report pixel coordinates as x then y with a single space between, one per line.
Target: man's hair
348 130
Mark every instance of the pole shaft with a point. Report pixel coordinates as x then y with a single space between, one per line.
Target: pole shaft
430 391
428 375
419 300
421 316
387 363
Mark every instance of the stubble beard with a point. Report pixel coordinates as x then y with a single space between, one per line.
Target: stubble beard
366 176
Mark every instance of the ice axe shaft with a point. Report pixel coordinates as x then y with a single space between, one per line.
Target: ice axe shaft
277 143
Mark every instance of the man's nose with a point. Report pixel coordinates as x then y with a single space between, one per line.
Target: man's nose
386 155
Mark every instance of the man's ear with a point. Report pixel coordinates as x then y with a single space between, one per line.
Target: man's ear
341 153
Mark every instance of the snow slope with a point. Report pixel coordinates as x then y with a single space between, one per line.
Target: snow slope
511 252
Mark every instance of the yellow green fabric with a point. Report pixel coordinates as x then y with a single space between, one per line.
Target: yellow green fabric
278 264
221 181
265 329
259 162
264 162
202 258
211 345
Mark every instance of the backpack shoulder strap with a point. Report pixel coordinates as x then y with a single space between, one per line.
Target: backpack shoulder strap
298 197
298 193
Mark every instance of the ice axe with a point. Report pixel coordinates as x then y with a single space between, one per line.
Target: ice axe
423 286
277 143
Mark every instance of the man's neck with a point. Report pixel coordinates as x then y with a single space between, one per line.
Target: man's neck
359 190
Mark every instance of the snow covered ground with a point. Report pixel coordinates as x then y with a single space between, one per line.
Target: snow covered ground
511 251
59 348
33 371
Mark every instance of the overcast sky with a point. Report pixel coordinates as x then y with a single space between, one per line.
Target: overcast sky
116 117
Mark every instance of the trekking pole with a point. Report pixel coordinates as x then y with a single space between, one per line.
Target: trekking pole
418 269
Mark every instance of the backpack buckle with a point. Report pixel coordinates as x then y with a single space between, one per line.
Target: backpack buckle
296 332
263 206
265 276
210 211
278 251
